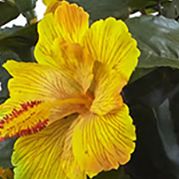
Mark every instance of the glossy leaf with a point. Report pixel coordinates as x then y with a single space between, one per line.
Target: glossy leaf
158 39
19 40
171 9
139 73
148 6
141 4
25 5
114 174
153 102
8 12
104 8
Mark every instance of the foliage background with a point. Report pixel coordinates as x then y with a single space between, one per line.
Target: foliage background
153 90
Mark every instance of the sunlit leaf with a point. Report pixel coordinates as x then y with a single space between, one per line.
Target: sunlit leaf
158 40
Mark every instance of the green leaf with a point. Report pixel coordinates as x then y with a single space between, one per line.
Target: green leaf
148 5
170 9
153 102
8 12
25 5
4 76
141 4
6 149
104 8
176 2
158 40
20 40
113 174
139 73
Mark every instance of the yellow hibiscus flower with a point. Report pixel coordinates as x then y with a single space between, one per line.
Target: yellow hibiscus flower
47 2
67 108
51 5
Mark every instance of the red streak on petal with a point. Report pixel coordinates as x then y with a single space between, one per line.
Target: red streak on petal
17 112
38 127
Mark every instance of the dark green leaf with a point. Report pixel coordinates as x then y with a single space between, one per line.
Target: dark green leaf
104 8
158 39
141 4
148 6
114 174
170 9
139 73
20 40
8 12
153 102
25 5
176 3
6 149
4 76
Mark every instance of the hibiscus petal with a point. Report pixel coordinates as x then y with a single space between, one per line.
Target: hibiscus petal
52 6
68 23
73 21
42 156
47 2
28 118
103 142
110 43
107 85
55 94
33 81
76 61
